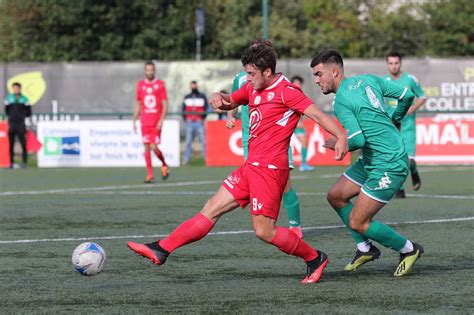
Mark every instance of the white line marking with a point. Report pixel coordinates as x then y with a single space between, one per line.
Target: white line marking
193 183
100 188
323 227
210 193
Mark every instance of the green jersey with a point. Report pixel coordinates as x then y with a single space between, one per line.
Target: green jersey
409 81
239 81
358 105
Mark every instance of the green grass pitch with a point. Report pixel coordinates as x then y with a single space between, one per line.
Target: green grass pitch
224 272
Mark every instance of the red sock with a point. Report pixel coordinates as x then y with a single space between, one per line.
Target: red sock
288 242
187 232
160 156
149 168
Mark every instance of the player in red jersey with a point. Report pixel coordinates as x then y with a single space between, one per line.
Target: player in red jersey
151 106
275 106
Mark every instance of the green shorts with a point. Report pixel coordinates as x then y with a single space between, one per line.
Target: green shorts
379 183
300 132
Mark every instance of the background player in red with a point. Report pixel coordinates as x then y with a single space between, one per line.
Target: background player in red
151 106
275 106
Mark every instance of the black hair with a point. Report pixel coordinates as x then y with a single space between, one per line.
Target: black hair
17 84
298 78
261 54
393 54
193 82
149 63
327 56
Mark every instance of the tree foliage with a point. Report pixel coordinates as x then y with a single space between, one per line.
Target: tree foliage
59 30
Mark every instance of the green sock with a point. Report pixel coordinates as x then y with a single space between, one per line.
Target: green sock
385 235
344 213
304 152
413 168
292 206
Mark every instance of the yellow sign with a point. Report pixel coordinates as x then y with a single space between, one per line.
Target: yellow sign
468 73
32 83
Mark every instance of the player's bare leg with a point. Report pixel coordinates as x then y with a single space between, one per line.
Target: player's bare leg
339 197
149 168
292 207
361 221
288 242
164 168
190 230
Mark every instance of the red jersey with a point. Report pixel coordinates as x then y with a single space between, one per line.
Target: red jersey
273 115
151 95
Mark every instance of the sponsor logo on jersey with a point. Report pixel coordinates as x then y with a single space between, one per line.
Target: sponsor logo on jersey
255 118
355 86
373 98
150 101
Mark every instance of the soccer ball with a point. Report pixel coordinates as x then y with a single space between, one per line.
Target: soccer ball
89 258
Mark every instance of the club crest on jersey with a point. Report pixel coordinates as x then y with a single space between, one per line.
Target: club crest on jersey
255 118
270 96
155 86
257 100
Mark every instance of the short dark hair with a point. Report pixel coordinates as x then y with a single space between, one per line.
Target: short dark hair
194 82
149 63
327 56
298 78
261 54
16 84
393 54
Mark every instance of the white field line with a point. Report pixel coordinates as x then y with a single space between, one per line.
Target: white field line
238 232
210 193
187 183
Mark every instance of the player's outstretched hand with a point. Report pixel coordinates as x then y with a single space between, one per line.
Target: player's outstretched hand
230 123
339 146
216 100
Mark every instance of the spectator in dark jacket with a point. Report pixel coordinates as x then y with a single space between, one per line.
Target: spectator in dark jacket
195 109
17 108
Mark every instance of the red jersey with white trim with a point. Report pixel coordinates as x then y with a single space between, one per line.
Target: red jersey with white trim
151 95
273 115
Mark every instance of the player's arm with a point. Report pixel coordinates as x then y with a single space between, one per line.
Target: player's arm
355 136
420 96
340 141
164 104
222 101
136 114
404 95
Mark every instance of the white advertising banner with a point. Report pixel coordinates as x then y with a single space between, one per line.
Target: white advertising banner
101 143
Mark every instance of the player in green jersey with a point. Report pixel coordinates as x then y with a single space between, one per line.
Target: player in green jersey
290 199
300 132
408 124
383 167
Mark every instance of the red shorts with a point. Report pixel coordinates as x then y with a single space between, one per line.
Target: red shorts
150 134
260 186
